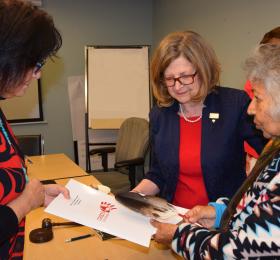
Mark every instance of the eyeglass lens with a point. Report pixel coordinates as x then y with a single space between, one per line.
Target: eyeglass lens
39 66
184 80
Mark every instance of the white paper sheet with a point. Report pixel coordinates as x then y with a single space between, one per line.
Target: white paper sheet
98 210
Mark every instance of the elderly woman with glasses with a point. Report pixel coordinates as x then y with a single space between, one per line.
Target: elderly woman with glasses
250 224
28 36
197 127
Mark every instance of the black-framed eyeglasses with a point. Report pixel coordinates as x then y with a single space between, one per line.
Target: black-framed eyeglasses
184 80
39 66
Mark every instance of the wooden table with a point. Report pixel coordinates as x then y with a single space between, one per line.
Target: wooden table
89 248
53 166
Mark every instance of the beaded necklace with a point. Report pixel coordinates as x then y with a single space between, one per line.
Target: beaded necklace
12 143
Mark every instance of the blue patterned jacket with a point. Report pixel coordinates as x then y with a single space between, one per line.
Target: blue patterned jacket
254 230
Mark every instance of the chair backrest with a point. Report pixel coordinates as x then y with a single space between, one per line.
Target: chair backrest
133 139
31 144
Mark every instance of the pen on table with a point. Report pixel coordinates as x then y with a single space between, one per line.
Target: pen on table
78 238
28 159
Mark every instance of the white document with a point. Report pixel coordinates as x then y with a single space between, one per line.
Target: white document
98 210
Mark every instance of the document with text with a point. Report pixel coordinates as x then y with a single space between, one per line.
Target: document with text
98 210
93 208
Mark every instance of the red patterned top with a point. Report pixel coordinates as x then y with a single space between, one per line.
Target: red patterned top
12 183
190 190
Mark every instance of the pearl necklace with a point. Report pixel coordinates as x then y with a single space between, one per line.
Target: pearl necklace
186 119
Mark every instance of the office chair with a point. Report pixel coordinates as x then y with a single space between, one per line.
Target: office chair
31 144
103 152
131 148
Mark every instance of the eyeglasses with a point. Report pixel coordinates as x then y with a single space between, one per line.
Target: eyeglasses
184 80
39 66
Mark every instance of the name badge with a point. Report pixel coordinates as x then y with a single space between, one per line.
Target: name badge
214 116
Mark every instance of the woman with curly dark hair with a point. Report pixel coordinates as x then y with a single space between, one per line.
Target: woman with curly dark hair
27 38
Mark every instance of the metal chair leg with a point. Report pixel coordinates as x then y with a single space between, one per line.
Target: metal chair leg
104 160
131 176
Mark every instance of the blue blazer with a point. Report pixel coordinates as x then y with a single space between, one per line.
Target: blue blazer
222 144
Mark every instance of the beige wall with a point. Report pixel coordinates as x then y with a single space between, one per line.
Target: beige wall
232 27
82 22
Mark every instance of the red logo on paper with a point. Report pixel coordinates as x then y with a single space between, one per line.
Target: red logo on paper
105 209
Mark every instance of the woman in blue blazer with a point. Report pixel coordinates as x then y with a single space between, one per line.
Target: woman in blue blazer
198 128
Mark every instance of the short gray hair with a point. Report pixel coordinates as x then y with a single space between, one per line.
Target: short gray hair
264 66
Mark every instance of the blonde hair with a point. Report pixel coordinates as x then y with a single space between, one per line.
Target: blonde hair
197 51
